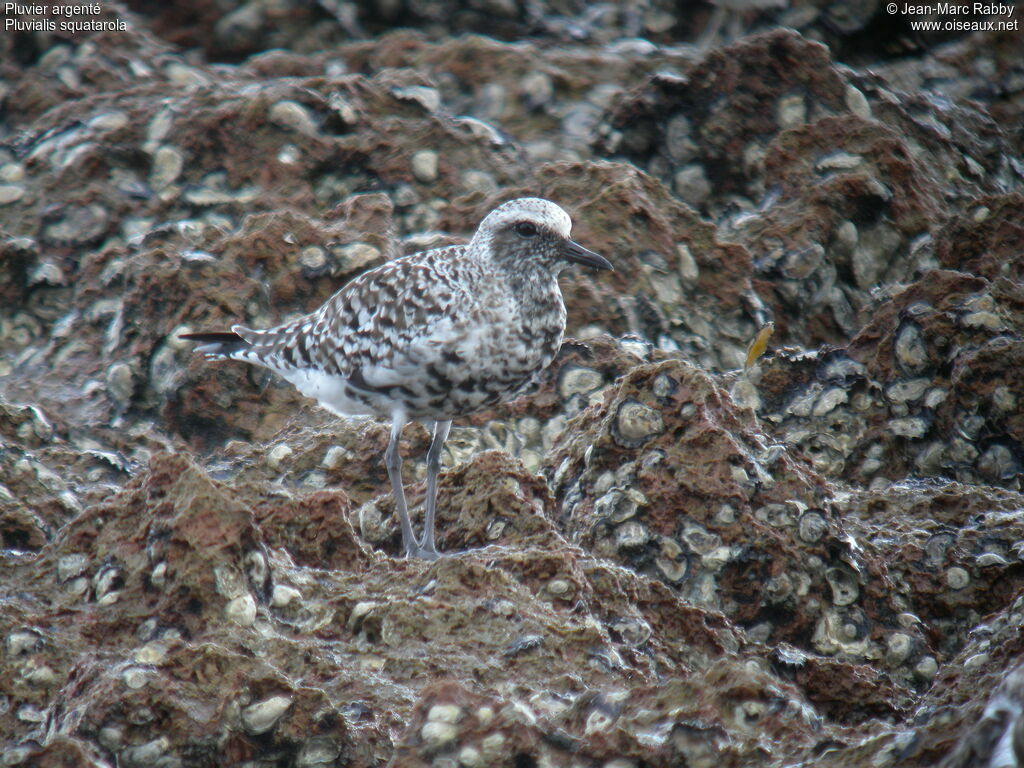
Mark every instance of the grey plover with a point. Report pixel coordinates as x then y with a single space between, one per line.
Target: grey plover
429 336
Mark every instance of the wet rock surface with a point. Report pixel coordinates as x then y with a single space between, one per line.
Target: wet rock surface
696 543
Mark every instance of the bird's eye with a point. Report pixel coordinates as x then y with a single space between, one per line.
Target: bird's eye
525 229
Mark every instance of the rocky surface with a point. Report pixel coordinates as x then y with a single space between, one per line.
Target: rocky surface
695 544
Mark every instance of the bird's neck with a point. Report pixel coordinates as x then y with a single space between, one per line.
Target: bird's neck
530 281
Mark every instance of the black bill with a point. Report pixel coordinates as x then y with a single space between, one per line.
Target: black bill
577 254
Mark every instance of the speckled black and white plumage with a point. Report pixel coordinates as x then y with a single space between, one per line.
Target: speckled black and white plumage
430 336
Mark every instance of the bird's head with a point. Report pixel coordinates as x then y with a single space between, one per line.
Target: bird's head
531 232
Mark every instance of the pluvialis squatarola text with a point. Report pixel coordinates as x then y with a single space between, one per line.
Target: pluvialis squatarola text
429 336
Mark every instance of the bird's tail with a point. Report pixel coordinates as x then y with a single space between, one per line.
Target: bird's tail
218 344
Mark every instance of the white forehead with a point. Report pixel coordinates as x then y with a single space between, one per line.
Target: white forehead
541 212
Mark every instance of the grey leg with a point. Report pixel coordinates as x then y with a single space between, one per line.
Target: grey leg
708 37
441 429
393 461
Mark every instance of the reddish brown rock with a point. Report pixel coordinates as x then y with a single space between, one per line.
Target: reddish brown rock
655 559
985 241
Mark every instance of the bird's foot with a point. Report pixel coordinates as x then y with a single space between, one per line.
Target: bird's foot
422 553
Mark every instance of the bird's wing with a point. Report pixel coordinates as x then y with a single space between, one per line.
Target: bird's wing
389 323
383 326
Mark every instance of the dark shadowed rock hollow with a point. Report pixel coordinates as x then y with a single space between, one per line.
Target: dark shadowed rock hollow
698 544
